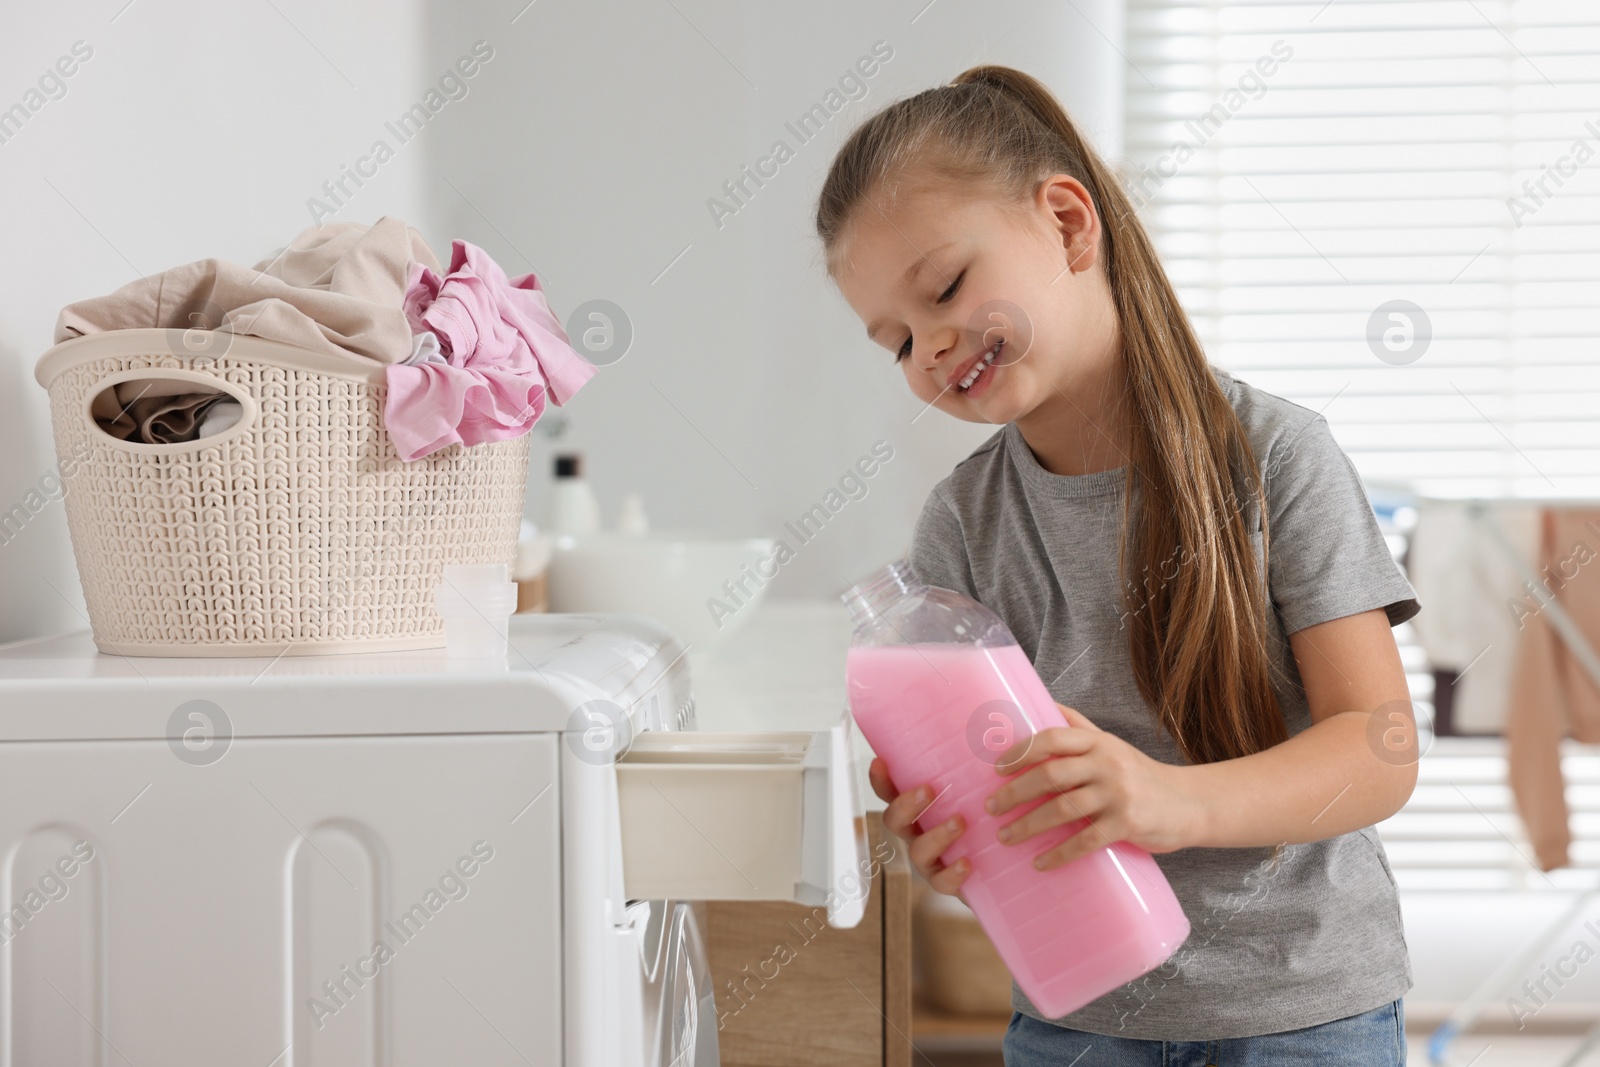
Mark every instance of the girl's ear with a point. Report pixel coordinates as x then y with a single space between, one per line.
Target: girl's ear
1075 219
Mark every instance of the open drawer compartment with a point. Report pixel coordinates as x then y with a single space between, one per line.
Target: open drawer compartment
745 816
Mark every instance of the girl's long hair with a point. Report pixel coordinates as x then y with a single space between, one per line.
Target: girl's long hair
1195 603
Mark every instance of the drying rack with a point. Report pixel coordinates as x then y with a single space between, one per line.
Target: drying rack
1461 1020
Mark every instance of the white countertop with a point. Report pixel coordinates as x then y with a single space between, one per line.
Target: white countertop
61 687
782 669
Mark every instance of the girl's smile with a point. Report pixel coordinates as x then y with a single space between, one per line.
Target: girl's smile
972 378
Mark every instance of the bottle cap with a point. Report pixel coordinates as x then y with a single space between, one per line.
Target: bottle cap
569 465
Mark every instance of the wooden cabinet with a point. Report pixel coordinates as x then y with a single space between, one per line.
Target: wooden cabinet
792 991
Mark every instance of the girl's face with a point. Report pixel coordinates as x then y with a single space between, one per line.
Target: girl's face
940 278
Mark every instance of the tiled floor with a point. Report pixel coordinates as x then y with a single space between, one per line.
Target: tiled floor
1493 1050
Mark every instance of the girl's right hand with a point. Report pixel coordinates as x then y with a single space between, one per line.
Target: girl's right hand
900 817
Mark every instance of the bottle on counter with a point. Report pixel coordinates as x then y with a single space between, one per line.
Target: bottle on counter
631 520
573 506
941 690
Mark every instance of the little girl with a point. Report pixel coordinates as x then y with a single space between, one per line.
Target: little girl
1241 713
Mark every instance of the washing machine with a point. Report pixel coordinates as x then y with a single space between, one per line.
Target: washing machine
395 859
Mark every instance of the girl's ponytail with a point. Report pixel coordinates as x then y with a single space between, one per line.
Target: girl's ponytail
1196 601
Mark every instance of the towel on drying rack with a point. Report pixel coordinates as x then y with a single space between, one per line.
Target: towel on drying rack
1552 695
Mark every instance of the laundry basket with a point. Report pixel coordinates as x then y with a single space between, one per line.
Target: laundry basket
297 531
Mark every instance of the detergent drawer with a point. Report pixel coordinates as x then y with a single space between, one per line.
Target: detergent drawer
745 816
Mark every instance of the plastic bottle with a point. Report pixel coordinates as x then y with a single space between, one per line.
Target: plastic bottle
941 689
631 519
573 507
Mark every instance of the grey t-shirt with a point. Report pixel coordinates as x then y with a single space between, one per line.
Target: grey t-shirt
1317 936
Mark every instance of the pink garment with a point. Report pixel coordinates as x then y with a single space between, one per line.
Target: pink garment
504 352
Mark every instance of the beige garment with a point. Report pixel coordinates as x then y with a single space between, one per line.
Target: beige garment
155 410
1552 695
338 289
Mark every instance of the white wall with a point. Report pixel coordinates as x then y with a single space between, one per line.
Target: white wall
193 130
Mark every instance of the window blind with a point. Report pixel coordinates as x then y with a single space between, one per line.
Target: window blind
1460 830
1388 211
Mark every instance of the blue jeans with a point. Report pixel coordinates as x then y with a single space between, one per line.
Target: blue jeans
1372 1039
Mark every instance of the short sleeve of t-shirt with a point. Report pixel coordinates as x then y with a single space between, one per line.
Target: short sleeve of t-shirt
1326 557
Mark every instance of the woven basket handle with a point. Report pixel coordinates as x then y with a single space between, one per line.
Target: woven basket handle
247 417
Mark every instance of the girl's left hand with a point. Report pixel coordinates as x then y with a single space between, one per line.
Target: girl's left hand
1088 773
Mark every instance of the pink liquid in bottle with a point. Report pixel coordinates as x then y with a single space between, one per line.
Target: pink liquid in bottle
943 711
